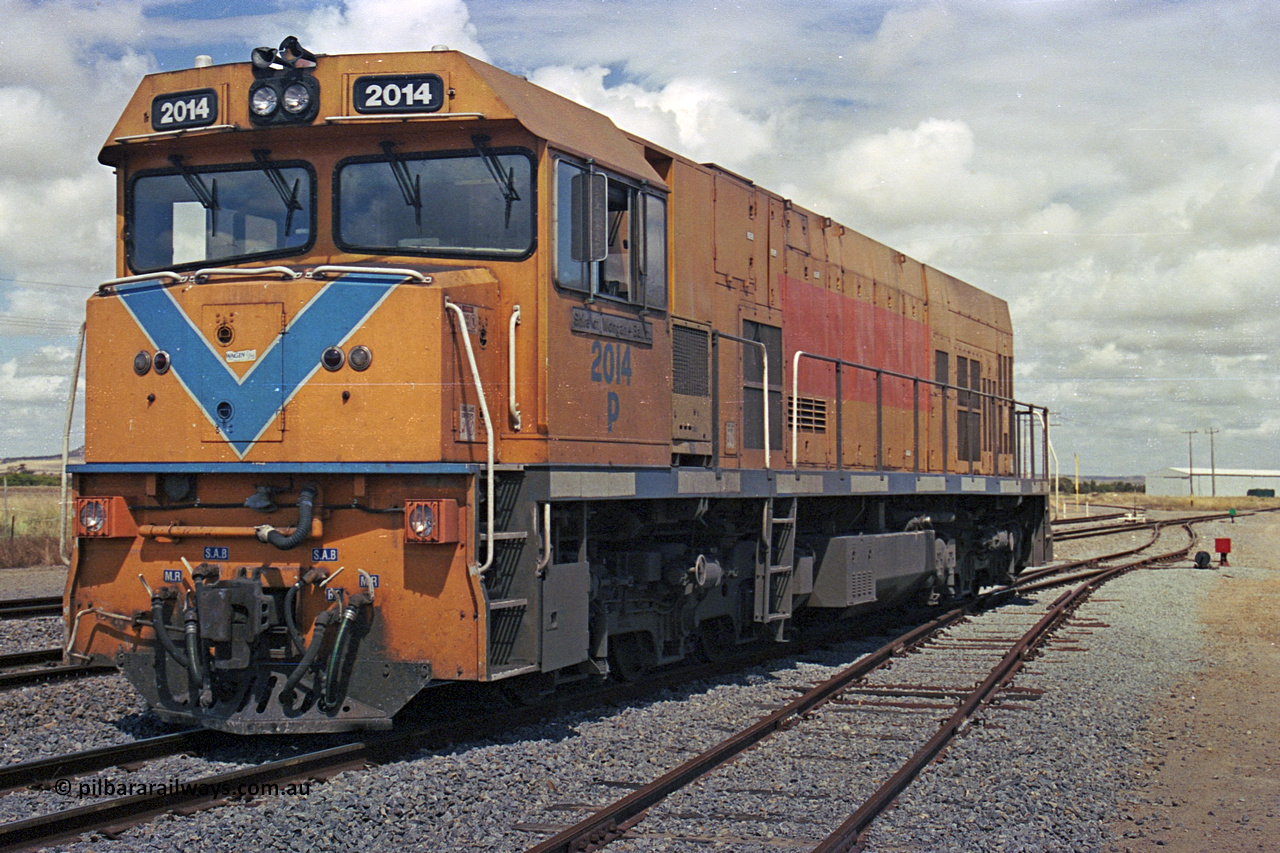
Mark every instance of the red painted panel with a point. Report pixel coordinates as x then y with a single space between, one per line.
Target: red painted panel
817 320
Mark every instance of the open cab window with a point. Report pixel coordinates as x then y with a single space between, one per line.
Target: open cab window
192 215
611 237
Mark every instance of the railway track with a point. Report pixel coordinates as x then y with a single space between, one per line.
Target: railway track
823 717
20 669
21 608
201 791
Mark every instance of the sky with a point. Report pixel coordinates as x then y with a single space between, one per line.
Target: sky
1107 167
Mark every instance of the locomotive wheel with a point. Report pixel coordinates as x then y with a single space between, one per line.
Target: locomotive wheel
716 639
966 585
631 656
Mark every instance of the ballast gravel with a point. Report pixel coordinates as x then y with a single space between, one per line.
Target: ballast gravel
1040 777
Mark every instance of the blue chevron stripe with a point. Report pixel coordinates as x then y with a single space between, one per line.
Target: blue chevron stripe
257 398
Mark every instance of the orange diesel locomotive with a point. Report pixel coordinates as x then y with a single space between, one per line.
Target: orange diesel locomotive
416 372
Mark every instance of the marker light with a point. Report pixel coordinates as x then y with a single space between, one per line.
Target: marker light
104 518
431 521
332 359
360 358
263 101
161 362
142 363
93 517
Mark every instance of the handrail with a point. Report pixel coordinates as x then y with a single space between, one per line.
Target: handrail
326 269
1039 411
764 375
479 569
512 405
131 279
66 444
286 272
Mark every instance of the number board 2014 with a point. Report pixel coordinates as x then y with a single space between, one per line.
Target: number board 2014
182 110
398 93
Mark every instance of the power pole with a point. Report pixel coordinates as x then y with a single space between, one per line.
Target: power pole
1191 465
1213 468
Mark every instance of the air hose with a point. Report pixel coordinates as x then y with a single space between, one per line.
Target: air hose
306 508
330 697
162 634
309 656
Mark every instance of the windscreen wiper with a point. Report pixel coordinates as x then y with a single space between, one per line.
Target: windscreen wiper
506 181
411 190
206 195
287 195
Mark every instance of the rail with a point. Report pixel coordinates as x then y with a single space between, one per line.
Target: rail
512 406
1024 455
479 568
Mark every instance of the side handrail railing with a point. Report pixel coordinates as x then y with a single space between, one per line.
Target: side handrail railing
1024 457
479 568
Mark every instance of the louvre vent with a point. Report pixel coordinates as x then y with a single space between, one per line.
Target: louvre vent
862 587
689 357
809 414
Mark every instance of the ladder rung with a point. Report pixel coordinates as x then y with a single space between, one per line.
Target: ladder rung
779 570
787 520
507 603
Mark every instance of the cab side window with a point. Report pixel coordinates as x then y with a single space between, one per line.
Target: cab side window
611 237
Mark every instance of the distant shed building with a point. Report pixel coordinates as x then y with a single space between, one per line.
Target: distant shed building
1225 482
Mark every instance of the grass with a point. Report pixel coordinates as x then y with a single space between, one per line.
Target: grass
1163 502
30 526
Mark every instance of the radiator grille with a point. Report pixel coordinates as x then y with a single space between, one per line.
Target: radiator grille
689 361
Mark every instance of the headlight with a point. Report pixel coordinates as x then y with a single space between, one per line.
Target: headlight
264 101
296 98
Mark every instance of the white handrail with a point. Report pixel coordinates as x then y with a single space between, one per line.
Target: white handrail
130 279
488 434
511 367
326 269
66 445
765 350
545 559
795 410
286 272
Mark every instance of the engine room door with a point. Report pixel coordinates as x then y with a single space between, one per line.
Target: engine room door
690 388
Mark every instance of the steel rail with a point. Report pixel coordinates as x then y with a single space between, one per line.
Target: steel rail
31 658
47 770
26 677
45 605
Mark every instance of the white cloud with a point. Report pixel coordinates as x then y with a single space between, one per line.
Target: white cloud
689 115
369 26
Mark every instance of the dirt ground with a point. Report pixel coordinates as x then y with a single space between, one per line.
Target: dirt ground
1212 779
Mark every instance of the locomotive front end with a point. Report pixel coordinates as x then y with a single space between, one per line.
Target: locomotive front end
286 432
